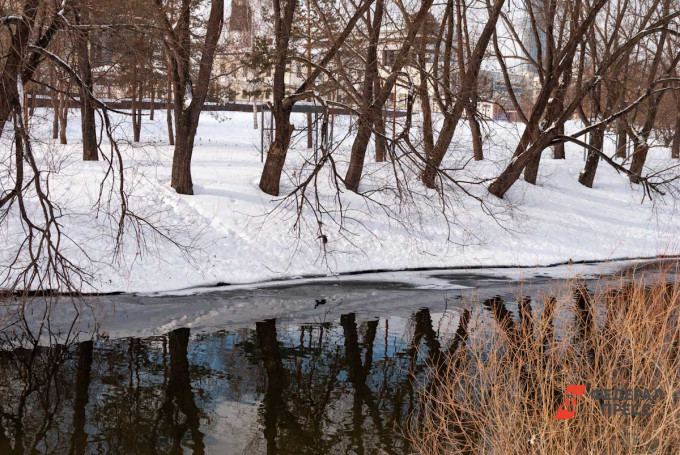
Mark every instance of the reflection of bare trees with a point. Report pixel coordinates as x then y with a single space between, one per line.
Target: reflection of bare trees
273 398
79 437
5 444
358 373
122 396
181 410
324 388
321 400
33 388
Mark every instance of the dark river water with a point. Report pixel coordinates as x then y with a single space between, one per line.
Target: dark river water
342 381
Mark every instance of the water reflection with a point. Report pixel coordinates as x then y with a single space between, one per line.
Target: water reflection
322 388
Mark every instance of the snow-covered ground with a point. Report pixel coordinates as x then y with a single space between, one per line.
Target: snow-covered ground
234 233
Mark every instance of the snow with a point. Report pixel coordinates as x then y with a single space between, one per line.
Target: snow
188 94
293 302
233 233
20 87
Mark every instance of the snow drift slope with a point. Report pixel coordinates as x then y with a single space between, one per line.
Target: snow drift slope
234 233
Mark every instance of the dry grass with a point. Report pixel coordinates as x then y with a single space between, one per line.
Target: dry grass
498 390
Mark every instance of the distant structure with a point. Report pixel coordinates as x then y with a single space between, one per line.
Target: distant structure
241 26
249 28
531 33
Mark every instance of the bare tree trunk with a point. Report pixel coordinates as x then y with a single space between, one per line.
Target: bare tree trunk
138 129
641 147
282 104
441 146
621 140
63 117
675 146
24 104
33 97
477 145
367 123
511 173
276 155
54 100
469 83
281 107
332 115
380 141
18 63
424 93
88 125
153 101
558 149
133 106
310 136
637 163
531 170
189 98
55 117
184 148
356 163
554 110
137 99
169 104
137 95
587 177
368 117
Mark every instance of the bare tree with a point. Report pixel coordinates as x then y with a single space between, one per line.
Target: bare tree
370 115
18 61
469 74
675 147
189 90
640 138
87 121
548 115
282 105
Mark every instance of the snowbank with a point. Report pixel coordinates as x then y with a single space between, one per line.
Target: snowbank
234 233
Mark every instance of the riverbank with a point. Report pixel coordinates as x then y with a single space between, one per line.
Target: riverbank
231 232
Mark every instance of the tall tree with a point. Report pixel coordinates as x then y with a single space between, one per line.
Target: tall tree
87 121
547 115
189 89
369 116
282 105
19 61
675 146
469 74
640 138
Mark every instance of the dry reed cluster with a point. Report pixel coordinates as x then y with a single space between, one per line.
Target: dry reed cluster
498 386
